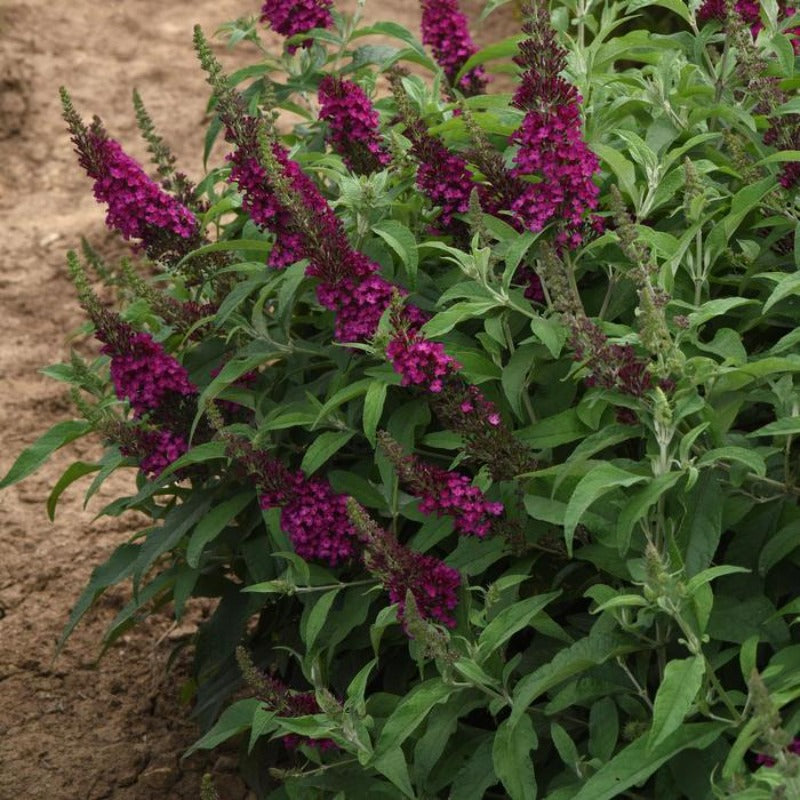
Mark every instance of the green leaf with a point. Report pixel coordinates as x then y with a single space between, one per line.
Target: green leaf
511 756
556 430
118 567
701 527
601 480
234 719
788 426
679 687
322 448
635 764
779 547
711 574
211 525
490 6
373 409
34 456
71 474
394 30
515 253
505 48
566 748
403 242
317 618
393 765
551 332
178 522
752 460
787 286
263 722
586 653
716 308
743 202
515 377
477 774
603 728
639 504
410 712
675 6
446 320
509 621
623 169
344 395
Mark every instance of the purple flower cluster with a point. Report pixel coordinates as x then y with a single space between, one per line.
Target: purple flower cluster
441 175
445 30
610 366
433 584
301 704
768 761
550 139
288 17
144 373
551 146
452 494
314 517
444 177
349 284
137 206
420 362
266 210
443 492
534 291
748 10
358 306
353 125
157 449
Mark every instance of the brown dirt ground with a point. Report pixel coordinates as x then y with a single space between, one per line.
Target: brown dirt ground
70 728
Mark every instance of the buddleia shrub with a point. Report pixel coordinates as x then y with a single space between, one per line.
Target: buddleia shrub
464 385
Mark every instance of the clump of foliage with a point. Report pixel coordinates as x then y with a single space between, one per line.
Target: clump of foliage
475 411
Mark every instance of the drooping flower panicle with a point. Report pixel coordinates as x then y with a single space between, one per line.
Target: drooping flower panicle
136 205
443 492
315 518
442 176
280 699
446 32
401 570
156 449
144 373
419 361
290 17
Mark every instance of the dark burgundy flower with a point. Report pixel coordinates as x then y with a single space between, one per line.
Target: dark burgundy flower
288 17
353 125
433 584
445 31
314 517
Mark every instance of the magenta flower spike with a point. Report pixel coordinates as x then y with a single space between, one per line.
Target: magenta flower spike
156 450
144 373
315 518
420 362
289 17
550 139
433 584
137 206
353 125
446 32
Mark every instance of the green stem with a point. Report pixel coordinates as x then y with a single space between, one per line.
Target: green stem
327 586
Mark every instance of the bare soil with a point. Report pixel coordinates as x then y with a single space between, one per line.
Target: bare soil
72 728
